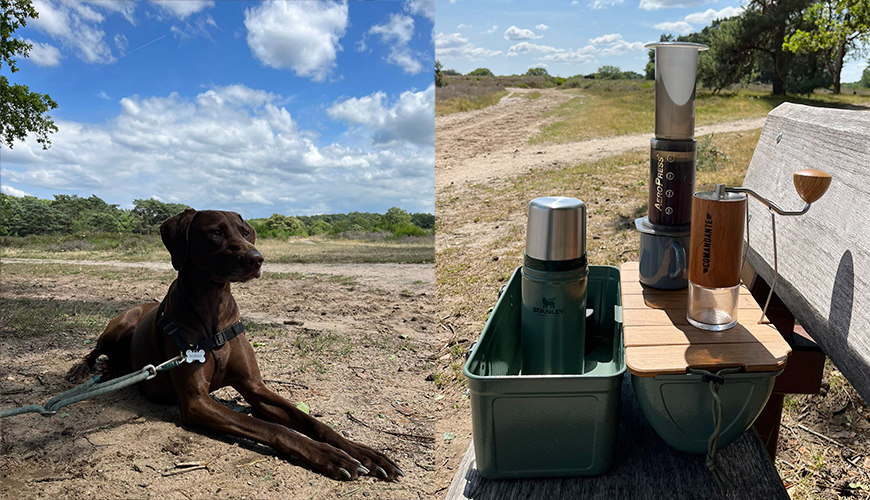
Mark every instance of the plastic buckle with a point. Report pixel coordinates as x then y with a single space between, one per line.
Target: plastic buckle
220 339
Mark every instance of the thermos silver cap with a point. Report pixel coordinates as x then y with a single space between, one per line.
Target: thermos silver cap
556 229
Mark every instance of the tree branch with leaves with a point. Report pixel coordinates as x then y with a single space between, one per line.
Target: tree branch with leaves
21 111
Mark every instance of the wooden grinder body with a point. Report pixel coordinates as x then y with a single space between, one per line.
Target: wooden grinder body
716 241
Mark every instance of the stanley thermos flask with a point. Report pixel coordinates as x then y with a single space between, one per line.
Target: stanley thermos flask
554 287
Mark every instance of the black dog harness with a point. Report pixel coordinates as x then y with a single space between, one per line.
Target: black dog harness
196 352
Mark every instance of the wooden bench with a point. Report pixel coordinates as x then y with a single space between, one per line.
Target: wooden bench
824 267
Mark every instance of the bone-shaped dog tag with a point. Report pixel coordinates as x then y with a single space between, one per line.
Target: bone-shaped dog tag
191 356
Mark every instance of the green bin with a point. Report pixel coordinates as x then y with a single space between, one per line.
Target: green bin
547 425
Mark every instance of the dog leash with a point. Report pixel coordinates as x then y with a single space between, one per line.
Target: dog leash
94 387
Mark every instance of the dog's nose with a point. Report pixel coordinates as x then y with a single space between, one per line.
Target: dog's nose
254 258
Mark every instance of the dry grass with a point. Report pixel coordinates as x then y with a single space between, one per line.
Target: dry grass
610 108
308 250
466 93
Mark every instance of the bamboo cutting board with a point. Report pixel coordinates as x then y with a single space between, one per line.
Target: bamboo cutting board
659 340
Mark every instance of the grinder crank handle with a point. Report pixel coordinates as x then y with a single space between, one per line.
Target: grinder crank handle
811 184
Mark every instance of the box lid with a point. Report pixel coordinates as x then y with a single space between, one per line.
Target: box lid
659 339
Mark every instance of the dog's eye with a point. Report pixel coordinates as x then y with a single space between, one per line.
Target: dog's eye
247 233
217 232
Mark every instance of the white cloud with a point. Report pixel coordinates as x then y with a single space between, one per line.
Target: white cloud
575 2
666 4
200 27
606 45
183 8
539 65
679 27
531 48
242 150
613 45
397 32
44 54
514 33
75 26
11 191
103 95
421 7
490 31
603 4
121 43
542 27
463 25
410 119
710 15
578 56
124 8
309 48
453 46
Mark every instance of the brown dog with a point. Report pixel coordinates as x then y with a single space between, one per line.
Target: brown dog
211 249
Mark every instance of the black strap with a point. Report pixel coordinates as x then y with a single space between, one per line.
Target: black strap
215 342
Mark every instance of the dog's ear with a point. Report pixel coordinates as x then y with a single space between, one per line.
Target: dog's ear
173 231
250 228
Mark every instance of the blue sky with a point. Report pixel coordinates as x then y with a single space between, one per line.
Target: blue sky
298 107
570 37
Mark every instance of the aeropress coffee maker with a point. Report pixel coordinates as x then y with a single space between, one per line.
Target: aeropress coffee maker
554 279
664 232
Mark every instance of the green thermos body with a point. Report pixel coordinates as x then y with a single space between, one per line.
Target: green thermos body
554 274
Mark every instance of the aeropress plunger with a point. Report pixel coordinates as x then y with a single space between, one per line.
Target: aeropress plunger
554 277
664 240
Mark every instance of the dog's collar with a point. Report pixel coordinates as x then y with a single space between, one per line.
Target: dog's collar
216 341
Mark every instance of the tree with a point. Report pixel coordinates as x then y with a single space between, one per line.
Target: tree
608 73
481 72
150 213
837 28
394 217
537 72
21 111
865 77
450 72
439 77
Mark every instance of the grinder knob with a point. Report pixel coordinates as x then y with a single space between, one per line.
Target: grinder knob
811 184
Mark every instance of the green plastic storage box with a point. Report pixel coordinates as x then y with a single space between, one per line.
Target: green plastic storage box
547 425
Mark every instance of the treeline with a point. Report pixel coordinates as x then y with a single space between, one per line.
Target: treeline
396 222
72 215
796 46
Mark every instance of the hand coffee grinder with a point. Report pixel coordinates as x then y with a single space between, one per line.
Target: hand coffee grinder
664 233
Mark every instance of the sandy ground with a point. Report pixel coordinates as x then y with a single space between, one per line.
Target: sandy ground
343 339
490 147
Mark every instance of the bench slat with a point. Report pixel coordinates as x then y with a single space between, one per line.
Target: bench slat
824 261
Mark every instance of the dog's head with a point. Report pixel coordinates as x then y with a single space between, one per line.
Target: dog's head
218 243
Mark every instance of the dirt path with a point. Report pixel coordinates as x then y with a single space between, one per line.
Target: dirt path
493 142
395 277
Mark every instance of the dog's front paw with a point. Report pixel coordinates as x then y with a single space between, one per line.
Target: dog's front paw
335 463
376 462
78 372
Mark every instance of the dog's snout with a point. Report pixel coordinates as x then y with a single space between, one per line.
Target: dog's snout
254 258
